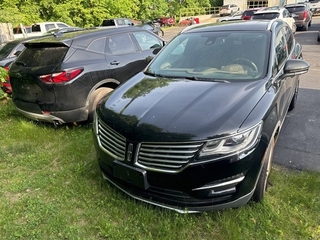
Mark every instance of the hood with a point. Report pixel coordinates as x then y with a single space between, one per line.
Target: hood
157 109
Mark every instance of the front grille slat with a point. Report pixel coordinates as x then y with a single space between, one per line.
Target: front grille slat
151 160
111 142
170 157
167 157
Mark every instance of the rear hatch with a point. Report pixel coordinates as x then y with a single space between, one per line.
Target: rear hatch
39 59
299 11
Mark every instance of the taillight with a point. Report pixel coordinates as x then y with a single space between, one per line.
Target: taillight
305 14
7 69
61 77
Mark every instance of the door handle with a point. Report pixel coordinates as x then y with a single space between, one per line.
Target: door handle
115 63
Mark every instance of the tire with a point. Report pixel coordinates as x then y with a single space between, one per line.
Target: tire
96 96
262 183
294 99
318 38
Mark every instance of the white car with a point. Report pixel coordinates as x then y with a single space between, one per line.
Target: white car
228 9
234 17
276 12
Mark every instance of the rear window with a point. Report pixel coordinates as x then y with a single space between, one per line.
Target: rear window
109 22
265 16
249 13
225 7
37 56
295 9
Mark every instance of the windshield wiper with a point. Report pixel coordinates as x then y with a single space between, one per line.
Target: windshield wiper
194 78
207 79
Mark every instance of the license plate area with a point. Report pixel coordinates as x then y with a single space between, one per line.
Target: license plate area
129 174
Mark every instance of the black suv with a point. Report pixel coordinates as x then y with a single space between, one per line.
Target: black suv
196 130
61 78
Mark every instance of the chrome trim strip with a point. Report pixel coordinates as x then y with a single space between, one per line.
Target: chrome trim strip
236 203
231 182
42 117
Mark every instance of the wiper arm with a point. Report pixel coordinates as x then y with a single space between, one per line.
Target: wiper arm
207 79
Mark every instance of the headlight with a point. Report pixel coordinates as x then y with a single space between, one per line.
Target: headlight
241 143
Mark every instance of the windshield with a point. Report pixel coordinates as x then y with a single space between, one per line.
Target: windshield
230 56
6 48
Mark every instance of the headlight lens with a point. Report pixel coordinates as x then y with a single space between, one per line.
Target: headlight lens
236 144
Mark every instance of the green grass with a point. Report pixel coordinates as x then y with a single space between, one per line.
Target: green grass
51 188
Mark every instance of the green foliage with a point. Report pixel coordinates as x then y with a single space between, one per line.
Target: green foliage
51 188
88 13
3 76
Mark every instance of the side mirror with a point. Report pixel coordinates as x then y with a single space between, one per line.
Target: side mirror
295 67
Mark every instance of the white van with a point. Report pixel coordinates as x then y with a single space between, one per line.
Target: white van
38 29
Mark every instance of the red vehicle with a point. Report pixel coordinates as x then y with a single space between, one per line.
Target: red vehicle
187 22
165 21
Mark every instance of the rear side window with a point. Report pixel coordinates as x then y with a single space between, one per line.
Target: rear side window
49 26
146 40
37 56
61 25
109 22
36 28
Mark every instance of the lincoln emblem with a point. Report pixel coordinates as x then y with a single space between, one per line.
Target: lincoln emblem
129 152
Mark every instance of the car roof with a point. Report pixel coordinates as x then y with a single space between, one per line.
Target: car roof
270 9
85 35
295 5
253 9
257 25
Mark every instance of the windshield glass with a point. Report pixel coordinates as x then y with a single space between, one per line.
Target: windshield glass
230 56
6 48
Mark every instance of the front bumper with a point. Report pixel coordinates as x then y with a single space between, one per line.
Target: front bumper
204 187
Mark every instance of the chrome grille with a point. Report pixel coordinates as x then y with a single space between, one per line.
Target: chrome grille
166 157
111 142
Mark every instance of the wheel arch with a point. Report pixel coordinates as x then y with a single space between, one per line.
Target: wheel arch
109 83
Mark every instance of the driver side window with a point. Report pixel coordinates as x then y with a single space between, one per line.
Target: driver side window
147 40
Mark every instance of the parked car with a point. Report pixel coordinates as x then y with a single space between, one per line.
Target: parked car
117 22
188 21
228 9
196 129
39 28
276 12
233 17
8 53
66 75
302 15
62 30
315 6
248 13
318 38
165 21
